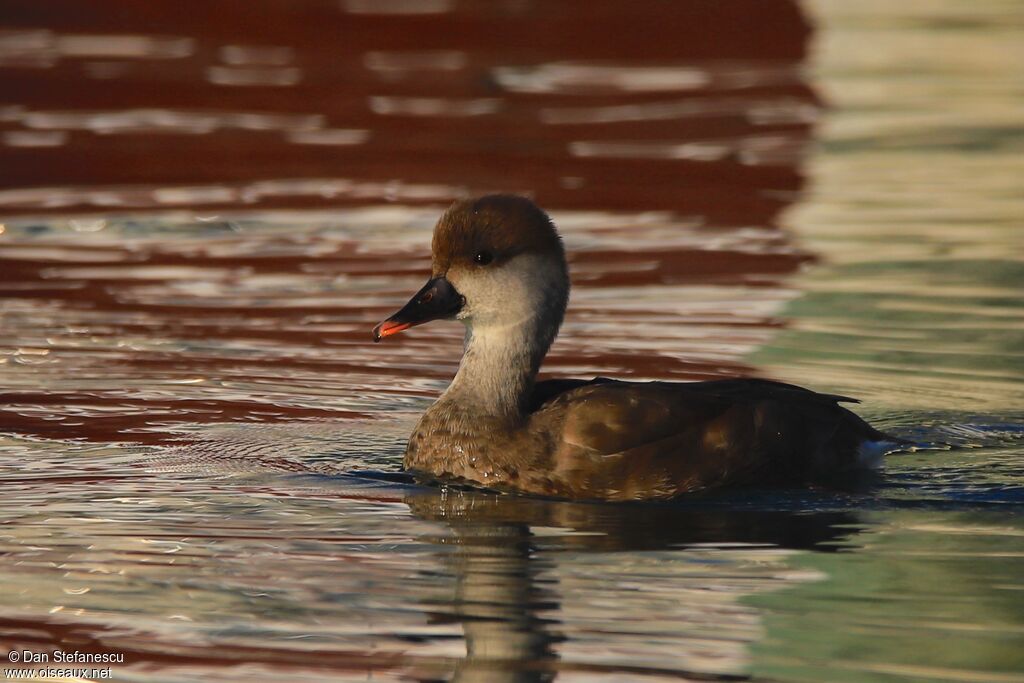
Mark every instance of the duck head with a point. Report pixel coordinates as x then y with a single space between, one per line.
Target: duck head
498 265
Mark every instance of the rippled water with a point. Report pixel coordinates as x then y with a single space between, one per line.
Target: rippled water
203 218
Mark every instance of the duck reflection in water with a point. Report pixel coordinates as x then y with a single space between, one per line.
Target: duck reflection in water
507 599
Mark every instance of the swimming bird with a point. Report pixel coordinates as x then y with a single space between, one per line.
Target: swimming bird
498 266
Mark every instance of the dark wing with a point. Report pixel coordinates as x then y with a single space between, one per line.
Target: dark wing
646 439
761 389
549 389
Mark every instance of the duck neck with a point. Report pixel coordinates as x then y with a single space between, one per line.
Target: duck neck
499 367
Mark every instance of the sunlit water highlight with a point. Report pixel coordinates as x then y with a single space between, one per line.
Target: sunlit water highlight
201 448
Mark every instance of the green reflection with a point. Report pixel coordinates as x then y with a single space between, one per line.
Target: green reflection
915 209
926 596
917 309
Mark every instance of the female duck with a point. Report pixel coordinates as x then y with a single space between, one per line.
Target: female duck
499 267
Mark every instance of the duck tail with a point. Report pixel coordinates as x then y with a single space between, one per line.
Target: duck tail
872 451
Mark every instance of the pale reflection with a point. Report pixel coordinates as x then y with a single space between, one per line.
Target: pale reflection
164 120
569 76
123 46
328 136
433 106
142 196
43 48
513 584
694 151
404 62
583 78
28 49
25 138
759 111
397 6
257 55
757 150
254 76
498 600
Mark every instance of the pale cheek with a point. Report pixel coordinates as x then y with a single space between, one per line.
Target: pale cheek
502 295
508 296
486 292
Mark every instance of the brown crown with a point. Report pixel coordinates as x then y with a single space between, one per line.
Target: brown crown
501 225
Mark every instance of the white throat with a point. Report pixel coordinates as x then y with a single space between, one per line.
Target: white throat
498 368
512 317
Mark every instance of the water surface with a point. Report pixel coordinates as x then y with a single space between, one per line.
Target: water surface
203 218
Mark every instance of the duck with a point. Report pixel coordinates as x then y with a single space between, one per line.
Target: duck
498 266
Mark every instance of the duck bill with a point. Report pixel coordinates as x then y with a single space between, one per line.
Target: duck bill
438 299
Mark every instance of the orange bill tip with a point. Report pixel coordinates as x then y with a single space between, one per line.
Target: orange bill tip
388 328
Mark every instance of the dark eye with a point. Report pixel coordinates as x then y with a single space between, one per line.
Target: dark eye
483 258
